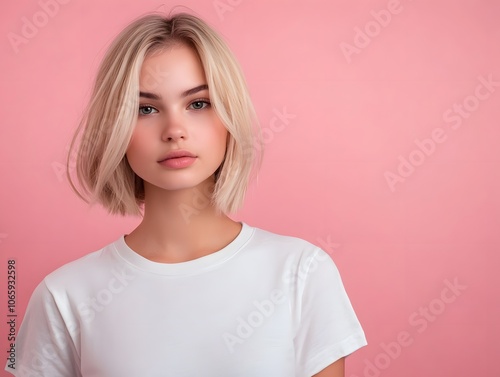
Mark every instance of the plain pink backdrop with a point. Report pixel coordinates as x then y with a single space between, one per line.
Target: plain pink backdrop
363 84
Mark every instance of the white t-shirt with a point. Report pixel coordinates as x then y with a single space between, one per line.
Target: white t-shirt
264 305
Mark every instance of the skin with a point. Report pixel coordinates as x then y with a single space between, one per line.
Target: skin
170 122
173 122
333 370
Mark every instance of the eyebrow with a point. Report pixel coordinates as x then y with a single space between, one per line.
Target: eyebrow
186 93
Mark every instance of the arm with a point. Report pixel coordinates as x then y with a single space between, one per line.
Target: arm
328 329
333 370
44 346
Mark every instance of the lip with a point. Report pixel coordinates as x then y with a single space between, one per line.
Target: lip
178 159
177 154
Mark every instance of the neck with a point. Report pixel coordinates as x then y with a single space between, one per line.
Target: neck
181 225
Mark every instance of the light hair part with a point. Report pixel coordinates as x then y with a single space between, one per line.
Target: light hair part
106 128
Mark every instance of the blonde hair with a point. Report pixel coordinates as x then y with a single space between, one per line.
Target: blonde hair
109 120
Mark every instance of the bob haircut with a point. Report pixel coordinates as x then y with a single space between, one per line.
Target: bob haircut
105 130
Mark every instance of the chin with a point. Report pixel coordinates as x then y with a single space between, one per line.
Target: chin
184 184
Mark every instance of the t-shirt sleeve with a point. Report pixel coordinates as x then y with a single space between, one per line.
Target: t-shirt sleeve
44 345
328 328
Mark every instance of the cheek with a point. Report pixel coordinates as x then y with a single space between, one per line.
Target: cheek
212 138
221 138
135 148
130 152
137 141
220 132
223 135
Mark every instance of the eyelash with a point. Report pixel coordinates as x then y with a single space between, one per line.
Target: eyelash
203 100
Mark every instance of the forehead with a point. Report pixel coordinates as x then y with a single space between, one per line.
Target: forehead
175 67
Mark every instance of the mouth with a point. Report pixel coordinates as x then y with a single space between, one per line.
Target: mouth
178 159
177 154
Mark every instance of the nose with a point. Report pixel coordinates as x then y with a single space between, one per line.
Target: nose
174 128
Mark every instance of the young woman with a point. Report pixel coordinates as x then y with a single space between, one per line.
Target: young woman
169 134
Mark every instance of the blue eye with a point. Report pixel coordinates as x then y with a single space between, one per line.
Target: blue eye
146 110
199 104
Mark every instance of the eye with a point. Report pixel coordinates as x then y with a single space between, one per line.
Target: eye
146 110
199 104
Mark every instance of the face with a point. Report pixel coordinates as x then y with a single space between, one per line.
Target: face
178 141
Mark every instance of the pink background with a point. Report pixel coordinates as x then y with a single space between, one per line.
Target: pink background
324 176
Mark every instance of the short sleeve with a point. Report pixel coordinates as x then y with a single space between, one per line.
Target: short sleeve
328 328
44 345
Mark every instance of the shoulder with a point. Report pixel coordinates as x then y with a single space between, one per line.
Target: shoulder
90 267
287 248
267 238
